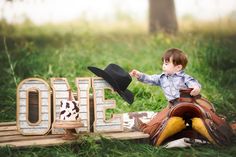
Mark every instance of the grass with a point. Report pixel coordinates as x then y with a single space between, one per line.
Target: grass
66 51
89 147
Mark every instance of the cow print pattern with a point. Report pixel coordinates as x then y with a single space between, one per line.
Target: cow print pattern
69 110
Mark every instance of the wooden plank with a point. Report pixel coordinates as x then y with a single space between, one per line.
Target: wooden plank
10 136
7 128
49 140
7 123
24 138
126 135
9 133
38 142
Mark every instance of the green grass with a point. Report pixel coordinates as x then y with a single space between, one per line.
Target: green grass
66 51
88 147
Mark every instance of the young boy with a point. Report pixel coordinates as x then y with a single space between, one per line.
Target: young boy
171 80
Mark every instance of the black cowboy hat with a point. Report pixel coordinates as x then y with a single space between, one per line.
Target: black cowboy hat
117 78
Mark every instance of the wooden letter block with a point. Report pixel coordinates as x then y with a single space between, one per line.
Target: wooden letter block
100 105
33 107
60 88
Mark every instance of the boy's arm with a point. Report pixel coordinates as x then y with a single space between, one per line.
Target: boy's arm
149 79
192 83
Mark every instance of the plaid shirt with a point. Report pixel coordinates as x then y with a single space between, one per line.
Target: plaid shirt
171 84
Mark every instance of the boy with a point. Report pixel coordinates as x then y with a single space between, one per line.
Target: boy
171 80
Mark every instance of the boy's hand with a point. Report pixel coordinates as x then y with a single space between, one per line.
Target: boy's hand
135 73
195 91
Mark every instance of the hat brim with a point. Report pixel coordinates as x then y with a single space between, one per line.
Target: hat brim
126 94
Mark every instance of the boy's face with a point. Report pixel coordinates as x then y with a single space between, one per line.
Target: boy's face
169 68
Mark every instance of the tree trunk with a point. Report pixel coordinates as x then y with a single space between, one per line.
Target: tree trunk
162 16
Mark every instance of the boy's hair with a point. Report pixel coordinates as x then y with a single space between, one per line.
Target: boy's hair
178 57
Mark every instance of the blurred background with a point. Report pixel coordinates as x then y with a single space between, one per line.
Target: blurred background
110 12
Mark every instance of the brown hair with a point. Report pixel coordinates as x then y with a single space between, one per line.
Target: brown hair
178 57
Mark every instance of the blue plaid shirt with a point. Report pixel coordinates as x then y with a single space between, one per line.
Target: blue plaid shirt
171 84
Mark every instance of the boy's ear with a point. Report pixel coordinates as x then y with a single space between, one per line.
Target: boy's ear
179 67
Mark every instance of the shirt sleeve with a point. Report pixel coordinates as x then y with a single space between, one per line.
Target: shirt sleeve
190 81
150 79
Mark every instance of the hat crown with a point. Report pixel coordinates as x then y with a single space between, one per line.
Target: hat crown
121 77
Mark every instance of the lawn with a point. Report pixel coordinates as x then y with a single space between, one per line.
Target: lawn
66 51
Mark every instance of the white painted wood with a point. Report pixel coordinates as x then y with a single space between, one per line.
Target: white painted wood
101 84
115 120
60 88
99 93
99 100
34 82
83 86
35 131
43 125
24 125
107 128
58 101
100 106
83 108
84 115
83 93
39 85
60 92
23 101
100 114
83 101
23 94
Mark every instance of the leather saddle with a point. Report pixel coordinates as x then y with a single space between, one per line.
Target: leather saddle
195 118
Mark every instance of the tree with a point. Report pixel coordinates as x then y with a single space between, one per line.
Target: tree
162 16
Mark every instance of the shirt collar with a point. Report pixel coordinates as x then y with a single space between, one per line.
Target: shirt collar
162 74
179 73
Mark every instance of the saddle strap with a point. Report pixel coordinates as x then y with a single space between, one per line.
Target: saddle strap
221 133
